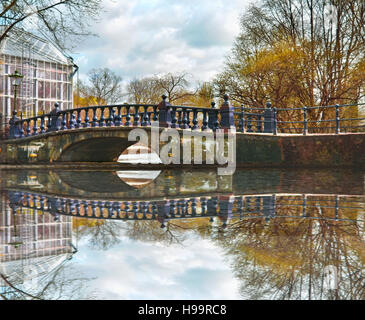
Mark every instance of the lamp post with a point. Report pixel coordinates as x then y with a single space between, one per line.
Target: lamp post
16 80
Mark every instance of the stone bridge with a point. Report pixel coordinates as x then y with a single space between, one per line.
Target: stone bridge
100 134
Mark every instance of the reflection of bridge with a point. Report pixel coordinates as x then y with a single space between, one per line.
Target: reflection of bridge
223 206
100 133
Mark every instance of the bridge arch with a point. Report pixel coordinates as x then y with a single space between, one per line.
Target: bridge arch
102 149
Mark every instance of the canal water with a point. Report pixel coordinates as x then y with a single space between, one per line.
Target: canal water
182 234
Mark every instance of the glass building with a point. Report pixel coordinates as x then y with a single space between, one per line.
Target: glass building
47 76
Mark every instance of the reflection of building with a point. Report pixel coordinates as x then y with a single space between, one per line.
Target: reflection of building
47 75
32 244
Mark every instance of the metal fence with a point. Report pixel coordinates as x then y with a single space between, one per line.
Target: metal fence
269 120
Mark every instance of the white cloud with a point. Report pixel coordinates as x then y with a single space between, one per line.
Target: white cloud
137 270
144 37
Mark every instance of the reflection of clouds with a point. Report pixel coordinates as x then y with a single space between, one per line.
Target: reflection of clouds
137 270
138 179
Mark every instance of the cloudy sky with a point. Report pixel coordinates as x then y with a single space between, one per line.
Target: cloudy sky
195 269
145 37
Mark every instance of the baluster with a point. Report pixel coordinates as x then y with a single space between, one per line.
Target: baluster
93 208
215 205
77 205
63 122
216 122
155 115
35 128
172 208
48 123
108 206
173 118
102 119
241 124
203 205
205 120
101 205
249 123
240 206
86 120
193 207
63 205
72 122
111 117
42 127
258 204
184 121
183 210
78 120
305 124
21 130
145 116
85 206
118 118
116 208
259 123
28 128
304 213
136 116
71 205
275 131
41 203
188 119
95 118
127 117
248 203
154 210
338 119
144 209
126 209
195 120
135 207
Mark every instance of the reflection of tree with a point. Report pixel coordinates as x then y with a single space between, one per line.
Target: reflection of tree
287 258
151 231
277 257
63 283
103 234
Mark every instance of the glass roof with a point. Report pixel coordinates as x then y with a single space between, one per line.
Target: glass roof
21 43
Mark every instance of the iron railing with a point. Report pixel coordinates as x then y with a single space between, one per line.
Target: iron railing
225 206
270 120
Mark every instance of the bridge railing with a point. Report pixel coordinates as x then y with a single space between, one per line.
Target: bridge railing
224 206
303 120
270 120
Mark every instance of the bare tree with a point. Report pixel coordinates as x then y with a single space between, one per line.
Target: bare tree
145 90
174 85
105 86
58 20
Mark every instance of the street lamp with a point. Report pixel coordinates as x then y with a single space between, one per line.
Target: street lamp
16 80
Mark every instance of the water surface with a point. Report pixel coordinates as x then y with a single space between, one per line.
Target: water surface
180 234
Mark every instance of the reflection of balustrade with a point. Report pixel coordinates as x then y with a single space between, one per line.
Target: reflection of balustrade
225 207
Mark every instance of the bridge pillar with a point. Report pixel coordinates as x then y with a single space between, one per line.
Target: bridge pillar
164 113
163 208
227 114
14 131
226 207
212 117
269 118
55 120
